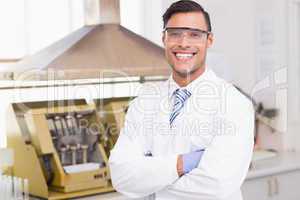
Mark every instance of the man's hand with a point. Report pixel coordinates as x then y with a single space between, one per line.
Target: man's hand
189 161
179 165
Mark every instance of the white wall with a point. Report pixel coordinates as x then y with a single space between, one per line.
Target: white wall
293 138
132 15
49 21
27 26
152 24
271 76
12 29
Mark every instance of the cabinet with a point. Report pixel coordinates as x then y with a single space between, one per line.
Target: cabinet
283 186
288 186
257 189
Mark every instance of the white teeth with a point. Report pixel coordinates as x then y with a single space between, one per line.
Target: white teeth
184 55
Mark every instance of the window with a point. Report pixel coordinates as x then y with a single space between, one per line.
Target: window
28 26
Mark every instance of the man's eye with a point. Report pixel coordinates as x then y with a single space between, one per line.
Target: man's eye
195 35
174 34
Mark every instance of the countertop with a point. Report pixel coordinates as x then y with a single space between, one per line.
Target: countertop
281 163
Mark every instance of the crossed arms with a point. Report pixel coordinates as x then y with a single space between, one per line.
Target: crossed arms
221 171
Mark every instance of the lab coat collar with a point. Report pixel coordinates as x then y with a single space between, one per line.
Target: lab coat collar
191 87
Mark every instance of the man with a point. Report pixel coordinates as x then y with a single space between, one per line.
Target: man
190 137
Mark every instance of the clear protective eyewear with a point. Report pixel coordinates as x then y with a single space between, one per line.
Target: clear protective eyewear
175 34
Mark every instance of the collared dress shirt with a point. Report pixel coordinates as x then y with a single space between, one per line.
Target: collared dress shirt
216 117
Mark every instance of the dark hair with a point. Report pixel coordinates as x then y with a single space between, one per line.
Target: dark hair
186 6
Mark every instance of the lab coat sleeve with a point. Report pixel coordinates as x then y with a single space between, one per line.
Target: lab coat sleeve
134 174
225 163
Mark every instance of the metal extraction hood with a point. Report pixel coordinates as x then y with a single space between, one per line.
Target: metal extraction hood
104 49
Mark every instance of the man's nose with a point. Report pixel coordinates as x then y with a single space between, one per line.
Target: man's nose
184 40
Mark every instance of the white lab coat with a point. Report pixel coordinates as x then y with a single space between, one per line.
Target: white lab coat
216 117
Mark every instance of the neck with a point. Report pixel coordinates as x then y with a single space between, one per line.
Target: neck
184 79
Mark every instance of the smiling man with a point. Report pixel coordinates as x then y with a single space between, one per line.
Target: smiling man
186 38
190 137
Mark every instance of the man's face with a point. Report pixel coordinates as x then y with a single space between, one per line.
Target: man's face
185 54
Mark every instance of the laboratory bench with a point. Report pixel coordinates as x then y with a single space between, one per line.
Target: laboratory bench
281 163
275 178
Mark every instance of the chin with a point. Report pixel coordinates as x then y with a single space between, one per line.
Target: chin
183 73
183 69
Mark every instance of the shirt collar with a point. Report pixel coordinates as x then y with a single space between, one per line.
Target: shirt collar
191 87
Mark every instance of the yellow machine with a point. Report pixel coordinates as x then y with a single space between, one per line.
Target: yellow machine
62 147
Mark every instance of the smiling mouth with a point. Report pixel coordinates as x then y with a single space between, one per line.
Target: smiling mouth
184 56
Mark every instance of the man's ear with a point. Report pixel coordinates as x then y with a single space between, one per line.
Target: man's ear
210 40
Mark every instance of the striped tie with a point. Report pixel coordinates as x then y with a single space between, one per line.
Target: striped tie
181 95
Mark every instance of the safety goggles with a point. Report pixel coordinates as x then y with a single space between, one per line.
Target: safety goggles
175 34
